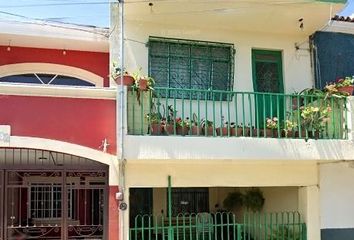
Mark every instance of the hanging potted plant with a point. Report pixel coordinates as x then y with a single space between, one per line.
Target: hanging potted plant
233 201
253 200
145 83
128 79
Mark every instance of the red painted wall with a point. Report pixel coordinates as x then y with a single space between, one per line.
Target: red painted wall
95 62
84 122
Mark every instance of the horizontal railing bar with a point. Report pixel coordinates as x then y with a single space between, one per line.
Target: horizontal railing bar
240 92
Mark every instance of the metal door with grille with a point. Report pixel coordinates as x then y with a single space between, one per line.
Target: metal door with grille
55 202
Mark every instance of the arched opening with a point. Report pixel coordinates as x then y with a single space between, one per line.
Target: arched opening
48 74
51 195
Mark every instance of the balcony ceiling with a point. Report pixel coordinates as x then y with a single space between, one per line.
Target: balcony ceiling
268 16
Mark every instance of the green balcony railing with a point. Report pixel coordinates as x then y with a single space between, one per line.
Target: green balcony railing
219 226
192 112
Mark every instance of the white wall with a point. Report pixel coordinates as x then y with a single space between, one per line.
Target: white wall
337 195
296 64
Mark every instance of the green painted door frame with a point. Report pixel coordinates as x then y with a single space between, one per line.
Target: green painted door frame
267 74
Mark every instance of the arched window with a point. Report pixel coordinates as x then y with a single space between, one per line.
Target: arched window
48 79
49 74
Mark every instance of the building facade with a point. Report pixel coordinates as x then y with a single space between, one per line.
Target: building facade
202 138
58 141
219 149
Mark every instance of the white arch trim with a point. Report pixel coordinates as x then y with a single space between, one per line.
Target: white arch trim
69 148
51 68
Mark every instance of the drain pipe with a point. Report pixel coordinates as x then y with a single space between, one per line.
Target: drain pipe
121 124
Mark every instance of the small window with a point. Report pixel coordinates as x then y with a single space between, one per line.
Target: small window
46 201
190 64
48 79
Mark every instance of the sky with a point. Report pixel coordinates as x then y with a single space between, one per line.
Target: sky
87 12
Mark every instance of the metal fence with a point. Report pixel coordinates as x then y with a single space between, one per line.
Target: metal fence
220 226
191 112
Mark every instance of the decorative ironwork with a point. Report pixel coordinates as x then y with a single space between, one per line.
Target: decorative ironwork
178 63
52 203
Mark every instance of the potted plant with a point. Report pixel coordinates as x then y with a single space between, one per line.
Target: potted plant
289 128
207 127
233 200
345 85
253 199
271 128
183 126
314 119
169 124
128 79
228 129
196 130
155 120
145 83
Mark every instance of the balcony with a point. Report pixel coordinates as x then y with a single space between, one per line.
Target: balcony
186 124
230 114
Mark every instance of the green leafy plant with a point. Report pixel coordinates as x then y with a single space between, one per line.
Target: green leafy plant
233 200
289 126
285 233
315 117
253 199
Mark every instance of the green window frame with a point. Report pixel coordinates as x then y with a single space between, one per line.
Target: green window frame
190 64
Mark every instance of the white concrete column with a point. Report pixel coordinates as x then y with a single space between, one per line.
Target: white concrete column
309 207
114 39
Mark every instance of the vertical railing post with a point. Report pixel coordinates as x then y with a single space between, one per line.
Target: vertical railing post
170 230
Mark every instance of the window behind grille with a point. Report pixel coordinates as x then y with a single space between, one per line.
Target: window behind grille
187 64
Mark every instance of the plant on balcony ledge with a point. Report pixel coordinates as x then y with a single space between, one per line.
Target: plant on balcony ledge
155 120
343 86
289 128
207 127
314 119
271 128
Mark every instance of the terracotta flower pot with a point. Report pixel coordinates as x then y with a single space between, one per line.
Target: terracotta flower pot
182 131
127 80
196 131
239 132
269 133
346 89
143 84
224 131
209 131
169 129
156 129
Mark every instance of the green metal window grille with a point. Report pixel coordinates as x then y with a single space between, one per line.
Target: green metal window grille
188 64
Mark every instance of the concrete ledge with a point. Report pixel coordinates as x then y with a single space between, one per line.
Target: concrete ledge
242 148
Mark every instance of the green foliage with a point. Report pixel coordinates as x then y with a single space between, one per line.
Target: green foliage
253 199
285 233
233 200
